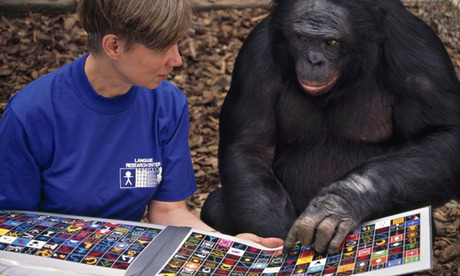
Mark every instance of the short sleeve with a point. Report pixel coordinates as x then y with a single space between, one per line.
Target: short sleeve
19 173
178 178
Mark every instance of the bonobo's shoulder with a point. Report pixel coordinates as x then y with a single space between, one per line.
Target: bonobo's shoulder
258 40
260 32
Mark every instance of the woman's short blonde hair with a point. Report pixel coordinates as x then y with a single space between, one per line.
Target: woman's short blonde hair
156 24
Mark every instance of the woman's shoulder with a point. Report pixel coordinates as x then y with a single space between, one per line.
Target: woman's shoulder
39 92
168 93
38 98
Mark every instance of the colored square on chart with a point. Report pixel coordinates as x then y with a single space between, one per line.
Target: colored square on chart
397 221
14 248
379 261
315 269
412 259
413 252
344 268
304 260
7 239
410 235
397 238
395 262
333 259
353 236
413 222
364 252
21 241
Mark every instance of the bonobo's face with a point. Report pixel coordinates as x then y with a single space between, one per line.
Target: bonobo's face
315 30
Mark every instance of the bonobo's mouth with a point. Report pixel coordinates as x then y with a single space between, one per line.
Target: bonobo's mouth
315 88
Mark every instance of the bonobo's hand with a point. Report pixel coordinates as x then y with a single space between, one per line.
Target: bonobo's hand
327 221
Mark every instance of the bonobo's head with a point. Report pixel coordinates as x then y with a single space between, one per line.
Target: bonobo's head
317 34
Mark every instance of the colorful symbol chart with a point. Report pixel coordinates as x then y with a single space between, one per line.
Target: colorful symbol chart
381 245
91 242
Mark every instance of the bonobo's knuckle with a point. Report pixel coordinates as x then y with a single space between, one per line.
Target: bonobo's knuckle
331 204
334 245
319 247
346 226
333 249
305 222
326 227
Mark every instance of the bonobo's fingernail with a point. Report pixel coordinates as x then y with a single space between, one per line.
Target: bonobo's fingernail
287 249
332 252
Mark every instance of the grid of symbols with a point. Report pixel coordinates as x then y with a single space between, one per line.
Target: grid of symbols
99 243
371 247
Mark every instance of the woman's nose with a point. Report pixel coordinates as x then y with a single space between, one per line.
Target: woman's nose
174 58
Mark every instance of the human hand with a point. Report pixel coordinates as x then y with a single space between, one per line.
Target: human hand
327 221
267 242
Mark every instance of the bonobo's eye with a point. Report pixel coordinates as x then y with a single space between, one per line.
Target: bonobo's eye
332 42
303 38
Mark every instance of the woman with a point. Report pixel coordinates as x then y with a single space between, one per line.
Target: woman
107 135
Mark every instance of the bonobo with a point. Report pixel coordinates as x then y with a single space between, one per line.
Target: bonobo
338 111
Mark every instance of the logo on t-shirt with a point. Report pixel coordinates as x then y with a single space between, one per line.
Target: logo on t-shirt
142 173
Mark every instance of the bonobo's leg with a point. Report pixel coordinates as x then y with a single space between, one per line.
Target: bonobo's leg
213 213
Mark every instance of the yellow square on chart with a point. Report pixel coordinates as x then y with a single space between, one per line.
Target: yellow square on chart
347 267
304 260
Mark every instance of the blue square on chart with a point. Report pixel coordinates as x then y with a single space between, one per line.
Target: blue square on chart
394 262
127 178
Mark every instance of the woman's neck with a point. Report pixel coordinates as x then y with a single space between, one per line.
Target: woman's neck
103 78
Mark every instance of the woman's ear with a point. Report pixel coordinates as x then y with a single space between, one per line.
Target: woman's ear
112 45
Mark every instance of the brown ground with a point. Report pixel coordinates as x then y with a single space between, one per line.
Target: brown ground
37 44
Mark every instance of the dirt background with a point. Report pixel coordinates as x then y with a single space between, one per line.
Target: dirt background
38 43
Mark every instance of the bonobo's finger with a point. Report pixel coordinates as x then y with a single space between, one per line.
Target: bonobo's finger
324 233
302 230
290 240
343 229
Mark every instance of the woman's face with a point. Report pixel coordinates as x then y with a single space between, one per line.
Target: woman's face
147 68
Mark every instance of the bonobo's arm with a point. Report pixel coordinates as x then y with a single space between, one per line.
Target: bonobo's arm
247 142
423 167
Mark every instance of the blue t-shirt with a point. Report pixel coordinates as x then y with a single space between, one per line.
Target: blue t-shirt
66 149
